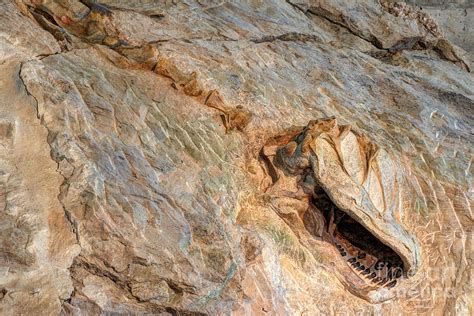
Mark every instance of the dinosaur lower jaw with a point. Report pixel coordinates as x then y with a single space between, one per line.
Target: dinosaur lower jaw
366 264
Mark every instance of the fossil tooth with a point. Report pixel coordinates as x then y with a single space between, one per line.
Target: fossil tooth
384 281
361 267
373 275
351 260
379 281
366 271
355 264
391 284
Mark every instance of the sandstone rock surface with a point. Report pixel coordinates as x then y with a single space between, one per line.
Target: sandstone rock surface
222 157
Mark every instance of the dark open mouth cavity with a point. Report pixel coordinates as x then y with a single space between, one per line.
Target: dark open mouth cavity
369 258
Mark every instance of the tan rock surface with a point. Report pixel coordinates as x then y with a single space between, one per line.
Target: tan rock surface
167 157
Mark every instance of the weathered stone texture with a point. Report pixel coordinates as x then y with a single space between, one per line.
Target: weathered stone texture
137 143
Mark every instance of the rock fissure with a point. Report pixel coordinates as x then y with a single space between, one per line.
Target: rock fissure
49 24
326 15
288 37
439 45
26 89
124 283
72 223
67 215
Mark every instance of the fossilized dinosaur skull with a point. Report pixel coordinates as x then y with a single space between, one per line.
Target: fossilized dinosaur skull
356 197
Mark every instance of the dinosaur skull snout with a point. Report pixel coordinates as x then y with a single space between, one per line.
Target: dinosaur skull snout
355 195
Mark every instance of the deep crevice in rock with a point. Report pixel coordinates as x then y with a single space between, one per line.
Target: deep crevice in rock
47 23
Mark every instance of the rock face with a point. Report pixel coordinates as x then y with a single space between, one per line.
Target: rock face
454 18
248 158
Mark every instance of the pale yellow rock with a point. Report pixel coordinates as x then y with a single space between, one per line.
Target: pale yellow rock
167 158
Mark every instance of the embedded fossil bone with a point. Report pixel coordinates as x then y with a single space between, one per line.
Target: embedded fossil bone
343 181
232 118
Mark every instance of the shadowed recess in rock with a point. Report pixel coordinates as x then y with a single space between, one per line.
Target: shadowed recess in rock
371 259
